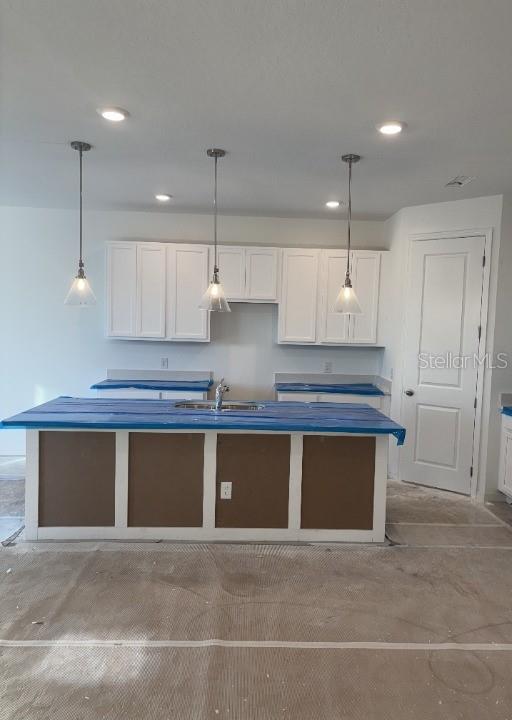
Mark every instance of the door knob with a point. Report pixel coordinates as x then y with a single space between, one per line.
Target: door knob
410 393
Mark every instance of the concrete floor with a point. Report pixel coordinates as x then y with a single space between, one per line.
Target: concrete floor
419 628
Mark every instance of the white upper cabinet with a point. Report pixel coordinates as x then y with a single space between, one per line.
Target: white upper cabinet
333 327
151 271
122 289
307 316
298 306
231 261
261 273
187 280
366 275
248 274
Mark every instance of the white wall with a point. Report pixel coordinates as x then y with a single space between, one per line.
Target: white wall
48 349
479 213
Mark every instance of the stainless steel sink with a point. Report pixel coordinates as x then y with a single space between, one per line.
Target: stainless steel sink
204 405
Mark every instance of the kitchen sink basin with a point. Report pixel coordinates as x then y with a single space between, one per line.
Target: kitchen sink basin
191 405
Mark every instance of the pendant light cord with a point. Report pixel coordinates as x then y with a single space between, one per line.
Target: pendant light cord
349 215
215 268
80 262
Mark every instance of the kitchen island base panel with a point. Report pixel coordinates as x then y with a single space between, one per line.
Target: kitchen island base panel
76 478
165 480
208 532
258 468
330 497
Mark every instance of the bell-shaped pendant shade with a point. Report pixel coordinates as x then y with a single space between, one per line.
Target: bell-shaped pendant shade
214 299
80 293
347 302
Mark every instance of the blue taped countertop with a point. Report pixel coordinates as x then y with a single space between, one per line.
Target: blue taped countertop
342 389
114 414
171 385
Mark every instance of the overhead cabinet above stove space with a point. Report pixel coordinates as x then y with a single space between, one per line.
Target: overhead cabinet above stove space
249 274
154 290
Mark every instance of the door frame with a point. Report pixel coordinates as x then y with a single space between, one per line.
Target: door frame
487 234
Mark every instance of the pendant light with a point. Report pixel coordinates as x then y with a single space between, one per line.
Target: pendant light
80 292
347 302
214 299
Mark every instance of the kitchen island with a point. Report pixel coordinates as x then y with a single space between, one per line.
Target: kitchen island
158 469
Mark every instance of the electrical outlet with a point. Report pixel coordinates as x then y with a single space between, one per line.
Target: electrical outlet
164 363
225 490
328 366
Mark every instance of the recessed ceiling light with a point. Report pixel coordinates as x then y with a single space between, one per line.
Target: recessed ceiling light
392 127
332 204
113 114
163 197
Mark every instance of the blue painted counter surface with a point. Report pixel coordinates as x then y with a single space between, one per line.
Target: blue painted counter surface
113 414
163 385
347 389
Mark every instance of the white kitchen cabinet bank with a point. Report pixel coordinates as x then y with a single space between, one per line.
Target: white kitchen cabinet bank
154 290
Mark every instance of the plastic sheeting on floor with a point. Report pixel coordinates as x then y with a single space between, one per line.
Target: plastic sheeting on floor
146 596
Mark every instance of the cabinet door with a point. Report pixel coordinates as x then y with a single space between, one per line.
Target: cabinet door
505 476
298 397
366 273
187 280
121 289
261 273
333 327
231 262
373 401
130 394
150 290
297 309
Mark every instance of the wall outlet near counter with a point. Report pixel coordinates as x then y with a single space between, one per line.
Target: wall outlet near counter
328 366
164 363
225 490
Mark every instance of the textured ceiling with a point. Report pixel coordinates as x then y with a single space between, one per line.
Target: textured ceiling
286 86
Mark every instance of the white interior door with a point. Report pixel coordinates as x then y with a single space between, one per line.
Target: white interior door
440 370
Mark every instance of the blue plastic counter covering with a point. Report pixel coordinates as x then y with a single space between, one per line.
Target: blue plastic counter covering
347 389
114 414
171 385
507 410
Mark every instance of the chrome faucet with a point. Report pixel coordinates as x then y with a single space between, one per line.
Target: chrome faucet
219 394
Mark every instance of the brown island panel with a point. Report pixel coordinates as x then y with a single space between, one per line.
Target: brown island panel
337 482
165 479
259 468
76 479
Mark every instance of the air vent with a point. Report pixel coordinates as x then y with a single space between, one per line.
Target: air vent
459 181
